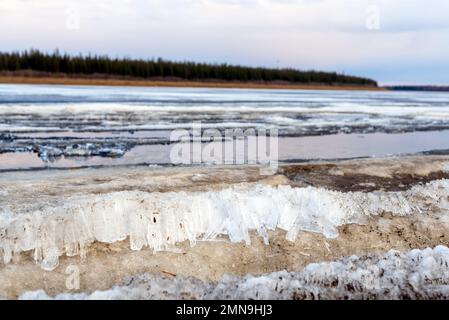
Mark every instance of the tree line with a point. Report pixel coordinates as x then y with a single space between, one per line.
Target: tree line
159 68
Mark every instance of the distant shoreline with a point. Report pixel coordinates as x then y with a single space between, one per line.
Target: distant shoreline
428 88
57 80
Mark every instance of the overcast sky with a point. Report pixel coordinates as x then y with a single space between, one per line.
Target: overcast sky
393 41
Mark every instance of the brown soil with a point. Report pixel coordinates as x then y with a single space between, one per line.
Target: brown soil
320 176
173 83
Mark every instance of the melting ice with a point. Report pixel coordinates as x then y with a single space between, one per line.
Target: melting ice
161 220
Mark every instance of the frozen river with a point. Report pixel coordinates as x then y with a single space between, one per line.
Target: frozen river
77 126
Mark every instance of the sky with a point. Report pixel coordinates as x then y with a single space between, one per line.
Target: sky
392 41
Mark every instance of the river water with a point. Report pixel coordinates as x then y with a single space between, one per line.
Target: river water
48 126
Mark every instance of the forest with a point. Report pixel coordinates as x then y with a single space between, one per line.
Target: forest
83 65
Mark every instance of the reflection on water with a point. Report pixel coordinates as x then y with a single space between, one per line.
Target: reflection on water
339 146
362 145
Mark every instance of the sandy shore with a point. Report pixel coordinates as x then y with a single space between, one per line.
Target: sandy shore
168 83
103 265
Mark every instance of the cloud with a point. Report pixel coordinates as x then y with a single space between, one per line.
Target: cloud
324 34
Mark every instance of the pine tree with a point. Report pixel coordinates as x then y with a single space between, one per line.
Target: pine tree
147 69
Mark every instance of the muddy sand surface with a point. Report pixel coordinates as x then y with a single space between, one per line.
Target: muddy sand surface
107 264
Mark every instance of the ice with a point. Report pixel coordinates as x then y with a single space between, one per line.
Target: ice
6 137
417 274
49 153
293 112
161 220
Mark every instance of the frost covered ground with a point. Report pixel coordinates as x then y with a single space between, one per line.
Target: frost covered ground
159 221
184 229
416 274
